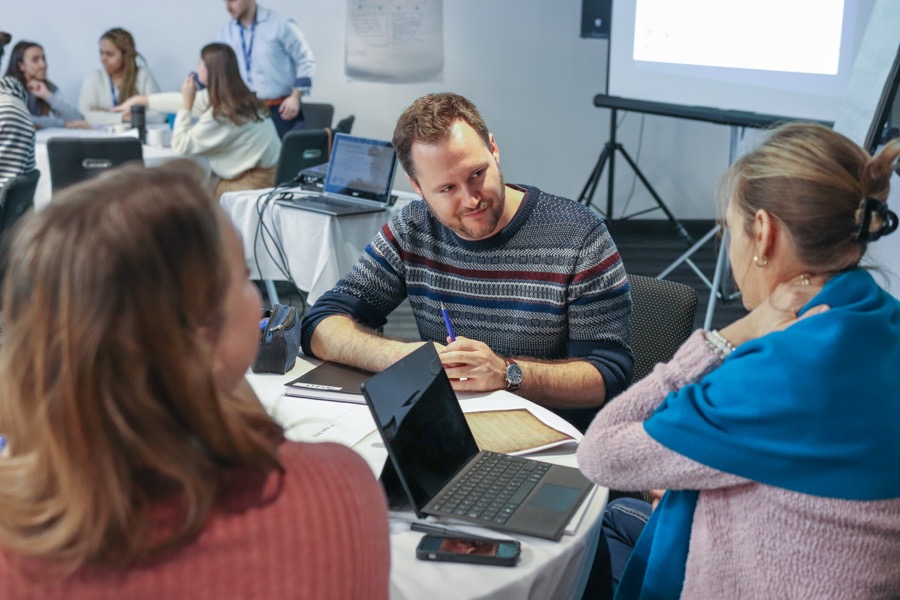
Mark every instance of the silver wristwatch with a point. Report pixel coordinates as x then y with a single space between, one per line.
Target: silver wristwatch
513 375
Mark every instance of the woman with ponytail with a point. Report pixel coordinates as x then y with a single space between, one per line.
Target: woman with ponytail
777 437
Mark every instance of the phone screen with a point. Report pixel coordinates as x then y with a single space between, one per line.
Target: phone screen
462 547
455 546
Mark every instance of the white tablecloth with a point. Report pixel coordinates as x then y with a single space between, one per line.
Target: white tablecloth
318 248
546 569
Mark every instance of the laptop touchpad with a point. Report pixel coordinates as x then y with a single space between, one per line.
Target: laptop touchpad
557 498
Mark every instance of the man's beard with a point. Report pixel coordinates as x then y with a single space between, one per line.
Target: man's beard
486 227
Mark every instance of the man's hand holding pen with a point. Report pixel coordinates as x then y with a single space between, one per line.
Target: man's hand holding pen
472 366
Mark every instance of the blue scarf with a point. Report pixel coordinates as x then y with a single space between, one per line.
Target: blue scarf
812 409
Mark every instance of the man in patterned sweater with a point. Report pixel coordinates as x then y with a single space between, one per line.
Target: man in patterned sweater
533 283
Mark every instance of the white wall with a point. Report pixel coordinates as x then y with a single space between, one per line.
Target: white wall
521 61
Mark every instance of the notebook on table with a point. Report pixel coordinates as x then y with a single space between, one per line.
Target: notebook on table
435 466
359 179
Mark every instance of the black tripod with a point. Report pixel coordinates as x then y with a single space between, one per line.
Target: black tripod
608 154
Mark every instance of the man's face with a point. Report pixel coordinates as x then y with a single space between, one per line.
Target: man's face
238 9
461 182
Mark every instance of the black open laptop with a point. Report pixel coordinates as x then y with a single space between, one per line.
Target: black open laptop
435 465
359 179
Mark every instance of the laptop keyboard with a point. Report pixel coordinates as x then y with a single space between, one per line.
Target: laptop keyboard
492 489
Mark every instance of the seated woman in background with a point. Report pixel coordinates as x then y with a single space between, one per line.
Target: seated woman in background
48 108
234 129
119 79
777 438
139 463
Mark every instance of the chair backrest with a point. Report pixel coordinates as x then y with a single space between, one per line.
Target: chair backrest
345 125
317 115
75 159
662 318
16 198
300 150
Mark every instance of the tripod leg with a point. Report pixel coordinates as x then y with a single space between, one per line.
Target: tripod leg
717 281
590 187
678 226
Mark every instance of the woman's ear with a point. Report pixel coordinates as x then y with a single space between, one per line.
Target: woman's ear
765 230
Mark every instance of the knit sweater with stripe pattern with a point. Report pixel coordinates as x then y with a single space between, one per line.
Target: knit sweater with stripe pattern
549 285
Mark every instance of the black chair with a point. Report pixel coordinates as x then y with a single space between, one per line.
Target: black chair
317 115
300 150
662 319
76 159
16 198
345 125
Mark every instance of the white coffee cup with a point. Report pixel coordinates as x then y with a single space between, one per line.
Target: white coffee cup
157 137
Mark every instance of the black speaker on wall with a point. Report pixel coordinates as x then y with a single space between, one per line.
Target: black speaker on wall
595 17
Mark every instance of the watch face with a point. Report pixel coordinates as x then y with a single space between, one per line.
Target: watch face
513 374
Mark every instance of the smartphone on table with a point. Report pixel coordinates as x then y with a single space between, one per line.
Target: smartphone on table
478 551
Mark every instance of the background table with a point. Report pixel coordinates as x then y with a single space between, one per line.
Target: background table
318 248
153 155
546 569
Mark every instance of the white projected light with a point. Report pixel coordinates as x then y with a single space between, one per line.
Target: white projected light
670 32
779 57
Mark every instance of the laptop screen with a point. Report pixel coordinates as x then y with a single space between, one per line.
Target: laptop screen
361 168
424 428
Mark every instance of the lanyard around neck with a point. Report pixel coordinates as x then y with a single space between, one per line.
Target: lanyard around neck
114 92
248 48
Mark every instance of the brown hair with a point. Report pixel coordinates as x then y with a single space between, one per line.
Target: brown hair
124 42
429 120
229 96
107 391
816 182
14 70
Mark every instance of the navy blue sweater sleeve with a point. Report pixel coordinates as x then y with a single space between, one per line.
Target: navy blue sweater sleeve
337 303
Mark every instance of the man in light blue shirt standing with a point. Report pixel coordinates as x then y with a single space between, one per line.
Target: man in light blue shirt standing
274 59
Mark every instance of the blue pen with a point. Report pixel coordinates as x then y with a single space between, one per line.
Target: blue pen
446 316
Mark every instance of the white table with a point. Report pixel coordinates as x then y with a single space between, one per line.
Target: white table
318 248
546 569
153 155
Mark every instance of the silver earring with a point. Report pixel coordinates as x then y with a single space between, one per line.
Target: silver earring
760 263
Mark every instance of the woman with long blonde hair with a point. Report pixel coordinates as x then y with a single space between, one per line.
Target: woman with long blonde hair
120 78
138 462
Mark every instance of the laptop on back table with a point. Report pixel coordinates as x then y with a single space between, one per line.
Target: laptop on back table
359 179
433 458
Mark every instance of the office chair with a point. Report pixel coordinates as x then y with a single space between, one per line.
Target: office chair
662 319
76 159
300 150
345 125
317 115
16 198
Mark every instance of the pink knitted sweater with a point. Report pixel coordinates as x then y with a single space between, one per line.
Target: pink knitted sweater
318 532
748 540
